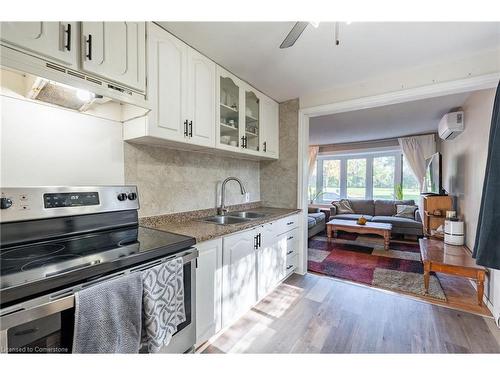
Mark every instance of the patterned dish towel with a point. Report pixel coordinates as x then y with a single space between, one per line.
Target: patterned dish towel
163 303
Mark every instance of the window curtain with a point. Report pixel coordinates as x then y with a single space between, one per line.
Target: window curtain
313 153
416 150
487 243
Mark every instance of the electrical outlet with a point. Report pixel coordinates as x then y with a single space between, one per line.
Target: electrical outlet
247 197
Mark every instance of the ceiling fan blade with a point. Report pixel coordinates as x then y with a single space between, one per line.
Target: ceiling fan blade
294 34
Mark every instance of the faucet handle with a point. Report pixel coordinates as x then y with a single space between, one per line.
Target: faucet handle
221 211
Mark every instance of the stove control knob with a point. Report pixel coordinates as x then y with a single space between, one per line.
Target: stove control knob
122 196
132 196
5 203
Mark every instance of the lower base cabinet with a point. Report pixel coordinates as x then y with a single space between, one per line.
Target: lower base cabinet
239 275
208 289
236 271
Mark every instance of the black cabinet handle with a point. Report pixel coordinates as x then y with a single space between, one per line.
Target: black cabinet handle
246 139
289 238
289 252
289 223
259 239
243 142
290 266
89 47
191 128
265 146
68 37
186 128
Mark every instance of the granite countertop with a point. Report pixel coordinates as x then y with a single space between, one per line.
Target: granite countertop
189 224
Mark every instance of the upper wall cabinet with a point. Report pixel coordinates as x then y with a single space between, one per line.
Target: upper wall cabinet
247 120
55 40
270 128
230 120
201 99
181 90
116 51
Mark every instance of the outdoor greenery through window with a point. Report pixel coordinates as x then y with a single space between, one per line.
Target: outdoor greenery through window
365 176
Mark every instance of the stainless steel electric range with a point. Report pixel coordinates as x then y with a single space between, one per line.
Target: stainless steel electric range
58 240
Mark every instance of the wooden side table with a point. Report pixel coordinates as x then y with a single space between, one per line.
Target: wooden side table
453 260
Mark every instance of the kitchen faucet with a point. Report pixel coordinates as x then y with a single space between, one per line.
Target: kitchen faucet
222 209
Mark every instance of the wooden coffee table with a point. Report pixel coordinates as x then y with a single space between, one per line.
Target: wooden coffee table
453 260
382 229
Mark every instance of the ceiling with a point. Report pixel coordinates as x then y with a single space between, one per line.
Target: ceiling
367 50
391 121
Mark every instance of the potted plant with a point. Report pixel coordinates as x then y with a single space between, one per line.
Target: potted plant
313 195
398 192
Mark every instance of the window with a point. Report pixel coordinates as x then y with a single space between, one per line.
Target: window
331 180
373 175
356 178
410 183
384 173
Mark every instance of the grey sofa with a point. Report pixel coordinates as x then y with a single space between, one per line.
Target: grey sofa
382 211
316 222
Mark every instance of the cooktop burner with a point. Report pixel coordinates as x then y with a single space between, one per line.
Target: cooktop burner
58 262
40 262
30 252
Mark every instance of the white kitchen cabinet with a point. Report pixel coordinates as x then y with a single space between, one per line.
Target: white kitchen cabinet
208 289
116 51
181 90
271 260
167 93
246 119
270 128
200 99
239 283
57 41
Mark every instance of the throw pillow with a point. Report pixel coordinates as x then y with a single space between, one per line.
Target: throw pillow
407 211
343 207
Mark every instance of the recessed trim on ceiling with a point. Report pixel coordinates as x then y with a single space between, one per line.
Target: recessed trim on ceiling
481 82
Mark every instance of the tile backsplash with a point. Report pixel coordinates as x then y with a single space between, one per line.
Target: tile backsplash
172 181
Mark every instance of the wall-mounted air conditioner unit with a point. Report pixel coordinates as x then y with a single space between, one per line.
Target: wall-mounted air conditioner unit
451 125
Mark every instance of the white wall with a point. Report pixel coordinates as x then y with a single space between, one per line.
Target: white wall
482 63
464 164
44 145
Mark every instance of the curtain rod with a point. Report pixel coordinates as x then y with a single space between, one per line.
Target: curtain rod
374 140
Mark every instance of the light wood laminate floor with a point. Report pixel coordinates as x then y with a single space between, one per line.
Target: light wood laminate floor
318 314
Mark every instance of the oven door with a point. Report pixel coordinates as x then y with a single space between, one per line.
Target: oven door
46 324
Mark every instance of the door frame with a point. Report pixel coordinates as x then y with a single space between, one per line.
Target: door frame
482 82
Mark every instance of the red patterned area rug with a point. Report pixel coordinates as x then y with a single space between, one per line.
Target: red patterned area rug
362 259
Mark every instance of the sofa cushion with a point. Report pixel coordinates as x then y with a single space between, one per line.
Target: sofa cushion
351 217
388 207
362 206
318 217
312 210
400 222
343 206
311 222
407 211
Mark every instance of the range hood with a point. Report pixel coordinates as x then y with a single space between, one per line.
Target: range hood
26 86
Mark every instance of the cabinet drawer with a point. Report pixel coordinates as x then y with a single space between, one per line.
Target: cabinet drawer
291 264
290 240
286 224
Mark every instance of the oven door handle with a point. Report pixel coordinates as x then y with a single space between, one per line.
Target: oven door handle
26 315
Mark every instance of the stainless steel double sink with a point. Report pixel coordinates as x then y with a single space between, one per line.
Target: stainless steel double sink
233 217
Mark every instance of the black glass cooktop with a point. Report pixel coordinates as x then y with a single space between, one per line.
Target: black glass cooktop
75 258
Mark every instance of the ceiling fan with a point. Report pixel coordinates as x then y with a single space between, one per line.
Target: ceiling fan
299 28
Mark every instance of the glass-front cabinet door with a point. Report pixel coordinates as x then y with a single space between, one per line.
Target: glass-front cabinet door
252 121
229 112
